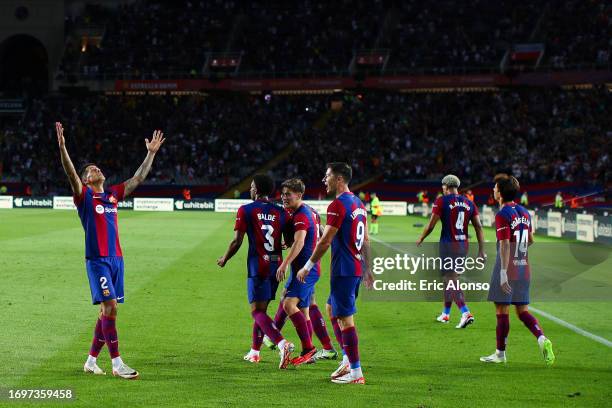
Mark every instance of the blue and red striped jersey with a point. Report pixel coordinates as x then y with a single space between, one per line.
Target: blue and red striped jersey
455 212
264 223
305 218
348 214
513 223
98 214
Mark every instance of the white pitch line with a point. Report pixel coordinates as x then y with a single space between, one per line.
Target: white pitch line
555 319
573 328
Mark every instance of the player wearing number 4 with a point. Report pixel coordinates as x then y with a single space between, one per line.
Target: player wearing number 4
347 234
511 275
455 212
264 223
97 208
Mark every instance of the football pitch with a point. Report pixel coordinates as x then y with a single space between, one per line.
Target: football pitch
186 325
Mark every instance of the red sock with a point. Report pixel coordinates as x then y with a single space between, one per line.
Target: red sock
310 329
318 324
502 330
351 346
110 335
531 323
267 326
281 317
257 337
301 327
337 332
98 340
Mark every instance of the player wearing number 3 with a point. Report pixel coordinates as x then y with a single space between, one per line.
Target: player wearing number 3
97 208
347 233
264 223
511 275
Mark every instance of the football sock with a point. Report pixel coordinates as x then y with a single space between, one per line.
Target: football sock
91 360
109 329
351 344
257 337
502 330
459 300
267 326
280 318
447 308
320 329
448 301
117 361
531 323
310 328
98 340
301 327
337 332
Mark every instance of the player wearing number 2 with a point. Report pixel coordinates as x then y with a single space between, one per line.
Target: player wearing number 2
347 233
455 212
97 208
264 223
511 275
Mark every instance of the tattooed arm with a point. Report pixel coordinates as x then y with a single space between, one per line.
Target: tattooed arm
141 174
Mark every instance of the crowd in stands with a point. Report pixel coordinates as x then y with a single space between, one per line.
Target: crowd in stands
579 32
156 39
536 135
544 135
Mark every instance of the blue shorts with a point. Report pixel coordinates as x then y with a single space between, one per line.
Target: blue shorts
261 289
519 295
105 278
343 295
302 291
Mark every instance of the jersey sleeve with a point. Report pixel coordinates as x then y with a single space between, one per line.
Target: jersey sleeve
502 227
241 222
437 207
79 200
335 214
300 222
118 191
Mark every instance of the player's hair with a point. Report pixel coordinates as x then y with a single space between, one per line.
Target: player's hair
500 176
341 169
294 184
264 184
83 171
508 187
451 180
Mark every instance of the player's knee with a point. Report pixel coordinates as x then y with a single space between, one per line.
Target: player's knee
329 310
109 309
290 306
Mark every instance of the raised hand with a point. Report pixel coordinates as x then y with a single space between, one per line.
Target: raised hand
59 129
156 142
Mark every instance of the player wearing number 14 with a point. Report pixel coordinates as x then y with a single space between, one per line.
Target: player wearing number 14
511 276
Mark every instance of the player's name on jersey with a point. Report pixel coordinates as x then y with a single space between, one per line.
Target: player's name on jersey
33 202
194 205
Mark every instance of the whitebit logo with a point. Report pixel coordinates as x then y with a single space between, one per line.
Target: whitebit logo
19 202
100 209
179 204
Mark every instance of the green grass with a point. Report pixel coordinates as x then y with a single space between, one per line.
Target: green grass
186 325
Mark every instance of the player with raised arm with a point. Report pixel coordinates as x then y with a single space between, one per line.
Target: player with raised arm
97 209
264 224
347 234
455 212
299 295
511 275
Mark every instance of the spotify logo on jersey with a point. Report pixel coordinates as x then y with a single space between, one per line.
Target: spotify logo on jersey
100 209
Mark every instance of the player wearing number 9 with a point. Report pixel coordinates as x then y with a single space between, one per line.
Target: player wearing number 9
346 233
264 223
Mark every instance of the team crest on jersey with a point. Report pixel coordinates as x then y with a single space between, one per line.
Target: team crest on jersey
106 292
